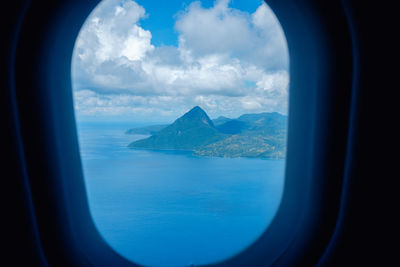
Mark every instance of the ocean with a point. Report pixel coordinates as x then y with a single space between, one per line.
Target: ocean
164 209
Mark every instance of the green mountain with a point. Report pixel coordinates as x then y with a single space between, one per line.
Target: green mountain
194 129
152 129
233 127
220 120
253 146
265 123
260 135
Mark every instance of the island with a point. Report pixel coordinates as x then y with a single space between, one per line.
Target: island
261 135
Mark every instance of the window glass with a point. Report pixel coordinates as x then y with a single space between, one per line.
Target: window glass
181 110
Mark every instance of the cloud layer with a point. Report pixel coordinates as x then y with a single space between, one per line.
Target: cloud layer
227 61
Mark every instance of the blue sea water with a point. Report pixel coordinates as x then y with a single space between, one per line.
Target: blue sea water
172 208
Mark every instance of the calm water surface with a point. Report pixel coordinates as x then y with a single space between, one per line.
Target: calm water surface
175 209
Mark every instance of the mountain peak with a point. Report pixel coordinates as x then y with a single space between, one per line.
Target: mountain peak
195 110
192 130
197 114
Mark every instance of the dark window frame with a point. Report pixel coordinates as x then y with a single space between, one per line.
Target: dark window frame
320 85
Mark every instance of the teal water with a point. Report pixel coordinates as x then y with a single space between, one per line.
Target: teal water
175 209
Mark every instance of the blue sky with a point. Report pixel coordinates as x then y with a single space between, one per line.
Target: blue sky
161 17
149 60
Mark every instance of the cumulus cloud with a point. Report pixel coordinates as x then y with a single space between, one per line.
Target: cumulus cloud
254 38
227 61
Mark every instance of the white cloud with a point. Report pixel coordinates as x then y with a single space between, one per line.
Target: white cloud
111 34
255 38
88 102
137 44
217 30
249 103
227 61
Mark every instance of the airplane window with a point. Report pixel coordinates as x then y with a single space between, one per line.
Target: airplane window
181 111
